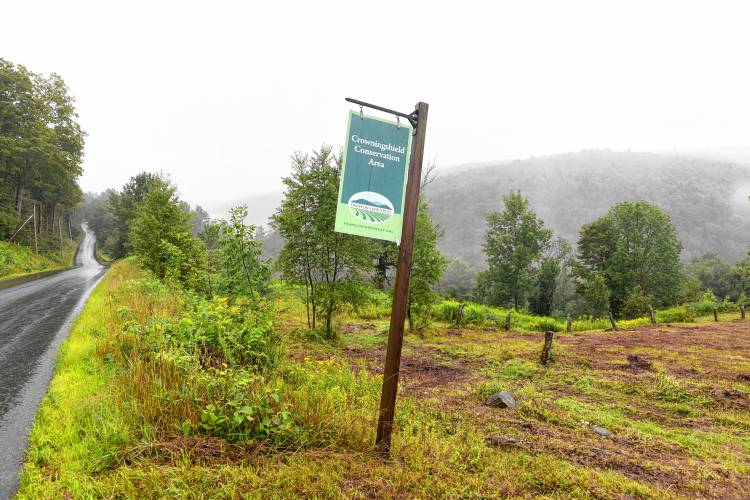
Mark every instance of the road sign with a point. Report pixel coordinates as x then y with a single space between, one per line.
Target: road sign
373 180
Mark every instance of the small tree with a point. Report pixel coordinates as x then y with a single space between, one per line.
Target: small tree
595 296
161 237
428 264
241 267
634 244
124 206
636 303
714 274
514 240
553 263
331 266
741 271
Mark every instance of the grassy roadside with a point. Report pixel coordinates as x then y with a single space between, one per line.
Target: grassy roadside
19 260
124 418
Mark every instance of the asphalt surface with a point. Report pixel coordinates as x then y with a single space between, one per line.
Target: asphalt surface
35 318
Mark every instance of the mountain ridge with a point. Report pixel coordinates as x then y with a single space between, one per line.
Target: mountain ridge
706 198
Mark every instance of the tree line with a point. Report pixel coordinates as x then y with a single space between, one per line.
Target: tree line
624 262
147 219
41 149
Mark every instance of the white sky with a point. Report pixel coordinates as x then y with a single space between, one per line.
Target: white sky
220 94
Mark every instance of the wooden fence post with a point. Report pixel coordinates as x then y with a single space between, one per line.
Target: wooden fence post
569 324
651 314
742 311
716 314
612 320
507 321
460 315
546 350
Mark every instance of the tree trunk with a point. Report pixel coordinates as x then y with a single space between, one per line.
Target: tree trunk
329 317
408 315
382 269
307 303
19 199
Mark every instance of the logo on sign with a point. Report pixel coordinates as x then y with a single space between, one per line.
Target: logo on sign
370 207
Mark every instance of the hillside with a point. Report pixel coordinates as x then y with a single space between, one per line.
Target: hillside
18 260
706 199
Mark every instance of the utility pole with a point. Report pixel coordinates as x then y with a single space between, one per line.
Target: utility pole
36 241
59 224
401 288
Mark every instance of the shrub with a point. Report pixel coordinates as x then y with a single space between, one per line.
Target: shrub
636 303
446 310
219 333
679 314
544 325
375 304
250 408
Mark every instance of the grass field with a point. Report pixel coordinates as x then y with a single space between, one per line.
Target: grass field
121 421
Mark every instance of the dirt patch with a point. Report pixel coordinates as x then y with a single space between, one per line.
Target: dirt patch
638 364
350 328
705 359
698 351
422 370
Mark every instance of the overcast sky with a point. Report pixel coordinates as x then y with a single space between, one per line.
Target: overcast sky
220 94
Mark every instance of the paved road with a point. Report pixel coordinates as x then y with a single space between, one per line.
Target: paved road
35 318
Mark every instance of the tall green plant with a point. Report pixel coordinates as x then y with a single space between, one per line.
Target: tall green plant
332 267
242 269
428 265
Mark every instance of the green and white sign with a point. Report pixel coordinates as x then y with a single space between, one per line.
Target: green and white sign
373 182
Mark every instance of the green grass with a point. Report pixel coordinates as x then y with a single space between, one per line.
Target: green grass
18 260
122 419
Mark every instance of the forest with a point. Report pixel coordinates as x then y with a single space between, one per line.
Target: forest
41 149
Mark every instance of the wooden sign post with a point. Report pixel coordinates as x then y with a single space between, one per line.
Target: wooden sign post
401 288
390 143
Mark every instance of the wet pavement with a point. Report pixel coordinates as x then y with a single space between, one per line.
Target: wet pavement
35 318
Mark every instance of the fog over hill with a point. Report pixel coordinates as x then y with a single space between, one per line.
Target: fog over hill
706 197
260 207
